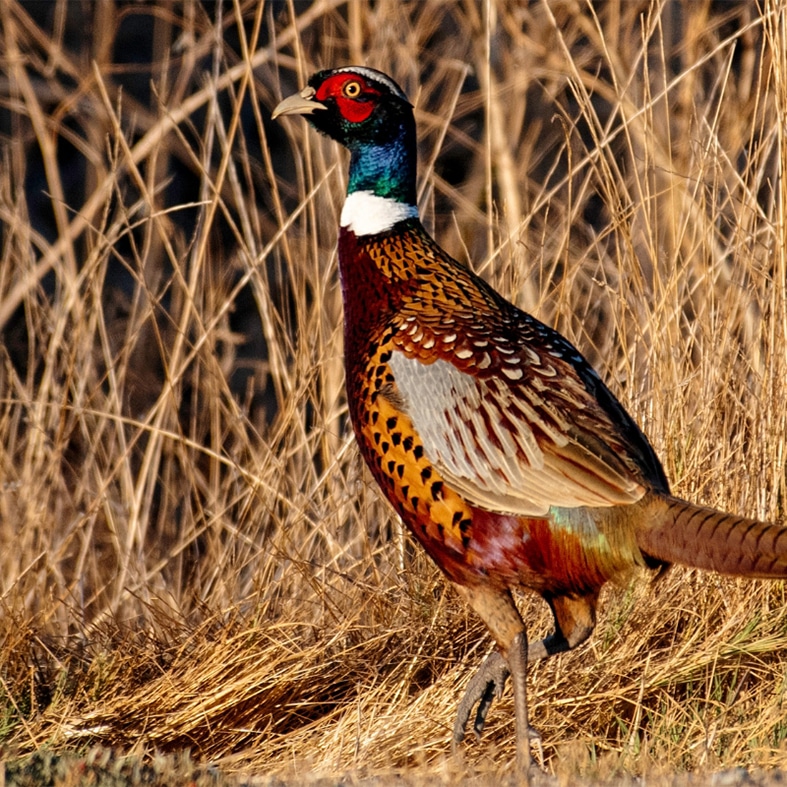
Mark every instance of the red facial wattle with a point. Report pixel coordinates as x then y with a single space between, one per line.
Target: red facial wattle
356 109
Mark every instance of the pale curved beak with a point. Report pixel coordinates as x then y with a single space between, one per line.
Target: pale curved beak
302 103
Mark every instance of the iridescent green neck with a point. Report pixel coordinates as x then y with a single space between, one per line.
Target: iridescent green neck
386 170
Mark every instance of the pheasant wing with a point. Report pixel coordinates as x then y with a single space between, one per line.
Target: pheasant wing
521 442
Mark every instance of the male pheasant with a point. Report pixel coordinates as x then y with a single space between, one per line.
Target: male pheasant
494 440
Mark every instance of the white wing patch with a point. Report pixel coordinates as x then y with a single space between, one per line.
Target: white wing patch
499 446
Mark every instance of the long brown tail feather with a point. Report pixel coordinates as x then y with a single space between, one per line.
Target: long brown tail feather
680 532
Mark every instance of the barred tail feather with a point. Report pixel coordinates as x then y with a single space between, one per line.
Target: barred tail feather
679 532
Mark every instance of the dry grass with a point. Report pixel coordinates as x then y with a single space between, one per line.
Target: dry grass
192 555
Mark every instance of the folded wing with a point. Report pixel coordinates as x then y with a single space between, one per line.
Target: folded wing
515 447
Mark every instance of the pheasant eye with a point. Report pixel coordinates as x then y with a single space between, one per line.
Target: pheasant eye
352 89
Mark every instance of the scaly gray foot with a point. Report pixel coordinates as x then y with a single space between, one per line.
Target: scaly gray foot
486 685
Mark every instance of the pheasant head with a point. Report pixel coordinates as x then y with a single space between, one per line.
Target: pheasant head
368 113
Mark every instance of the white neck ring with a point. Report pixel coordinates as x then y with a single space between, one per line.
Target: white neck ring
364 213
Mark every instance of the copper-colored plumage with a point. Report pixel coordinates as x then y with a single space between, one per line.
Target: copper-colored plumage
418 307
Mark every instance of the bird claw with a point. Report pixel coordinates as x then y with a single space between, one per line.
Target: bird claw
485 686
536 742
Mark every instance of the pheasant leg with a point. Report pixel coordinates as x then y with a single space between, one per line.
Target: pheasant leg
576 615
